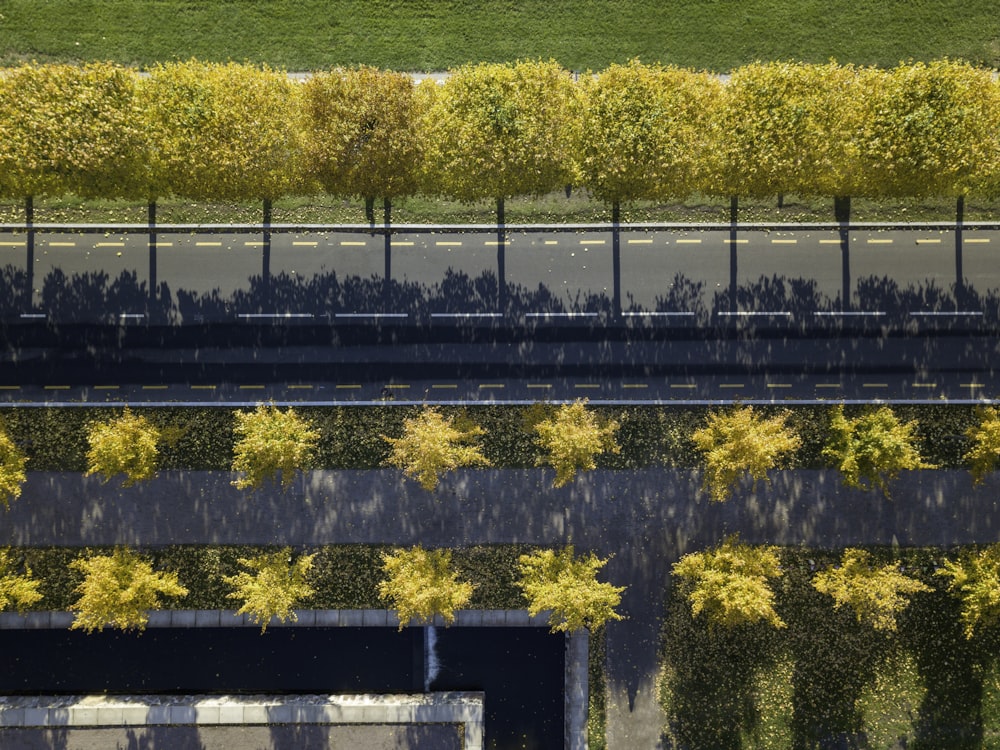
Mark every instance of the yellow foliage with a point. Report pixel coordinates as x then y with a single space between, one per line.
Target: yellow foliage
126 445
21 590
431 445
271 442
567 586
975 579
985 450
572 439
272 587
420 583
12 475
740 442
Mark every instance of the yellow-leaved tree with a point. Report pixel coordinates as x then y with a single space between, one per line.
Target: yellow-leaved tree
12 475
572 438
124 445
421 583
729 584
985 450
741 441
877 594
870 450
433 444
566 585
975 579
119 590
17 589
272 585
271 442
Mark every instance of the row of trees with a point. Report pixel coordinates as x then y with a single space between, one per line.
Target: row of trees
729 586
119 590
869 450
492 131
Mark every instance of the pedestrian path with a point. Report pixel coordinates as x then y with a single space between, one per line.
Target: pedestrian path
645 519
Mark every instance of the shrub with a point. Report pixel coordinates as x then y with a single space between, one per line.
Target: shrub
568 586
975 580
572 439
17 589
12 475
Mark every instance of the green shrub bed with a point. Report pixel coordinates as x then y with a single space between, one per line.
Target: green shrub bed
201 438
343 576
827 681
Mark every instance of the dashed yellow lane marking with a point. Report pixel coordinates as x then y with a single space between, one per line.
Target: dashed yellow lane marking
401 244
348 385
688 242
397 386
297 243
872 241
730 241
105 387
251 387
254 243
355 243
829 242
783 242
448 244
539 385
977 240
210 244
928 241
12 244
924 385
634 385
164 244
9 387
586 385
154 388
593 242
491 385
62 244
444 385
640 242
874 385
551 242
57 387
203 387
299 387
683 385
971 385
109 244
778 385
730 385
495 243
828 385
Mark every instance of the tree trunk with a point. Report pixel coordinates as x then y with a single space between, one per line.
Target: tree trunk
842 213
370 211
501 258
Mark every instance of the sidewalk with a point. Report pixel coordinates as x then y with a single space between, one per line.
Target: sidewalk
645 519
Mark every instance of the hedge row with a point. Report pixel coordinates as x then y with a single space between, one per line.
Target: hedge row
826 680
343 576
55 439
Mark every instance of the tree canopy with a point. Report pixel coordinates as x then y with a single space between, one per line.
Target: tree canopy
740 441
729 584
975 579
271 442
420 583
433 444
877 594
985 437
271 586
118 590
12 475
567 586
572 438
17 589
124 445
871 450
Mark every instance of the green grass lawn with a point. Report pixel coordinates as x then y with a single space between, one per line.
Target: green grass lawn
438 34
